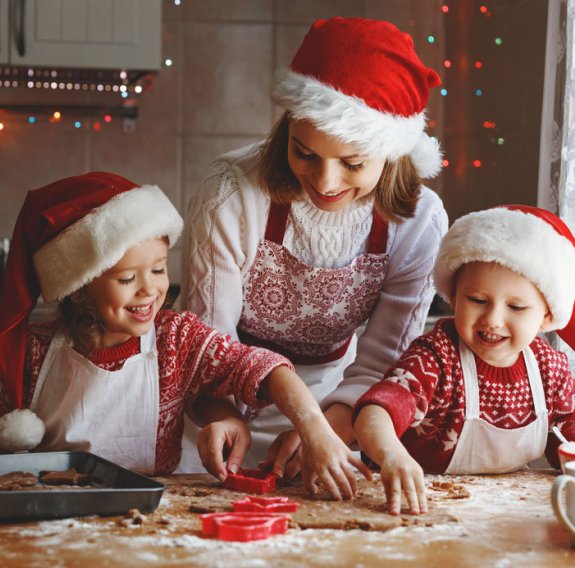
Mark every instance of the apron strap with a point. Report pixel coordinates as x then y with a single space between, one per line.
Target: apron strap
277 221
378 235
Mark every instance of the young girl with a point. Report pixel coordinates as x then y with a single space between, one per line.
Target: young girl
296 243
111 375
479 393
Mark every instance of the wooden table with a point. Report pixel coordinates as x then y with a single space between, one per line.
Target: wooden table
506 521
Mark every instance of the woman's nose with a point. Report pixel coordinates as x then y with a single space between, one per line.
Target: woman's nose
327 177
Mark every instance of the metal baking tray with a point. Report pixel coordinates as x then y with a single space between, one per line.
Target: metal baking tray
114 490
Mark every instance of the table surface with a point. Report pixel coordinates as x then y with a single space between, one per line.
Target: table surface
507 520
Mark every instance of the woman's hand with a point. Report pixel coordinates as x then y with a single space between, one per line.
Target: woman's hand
284 455
227 438
400 473
325 456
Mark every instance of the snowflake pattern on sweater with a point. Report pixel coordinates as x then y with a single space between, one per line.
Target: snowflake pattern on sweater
192 359
424 395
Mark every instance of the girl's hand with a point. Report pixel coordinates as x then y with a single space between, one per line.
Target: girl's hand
400 473
325 456
227 438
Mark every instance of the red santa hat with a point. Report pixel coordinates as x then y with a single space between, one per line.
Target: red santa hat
68 233
528 240
361 81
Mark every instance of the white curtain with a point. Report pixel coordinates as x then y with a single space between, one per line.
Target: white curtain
556 188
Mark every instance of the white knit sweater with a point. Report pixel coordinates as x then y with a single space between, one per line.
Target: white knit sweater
226 222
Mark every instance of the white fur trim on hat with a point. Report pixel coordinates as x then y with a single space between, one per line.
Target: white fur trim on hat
97 241
351 120
516 240
20 430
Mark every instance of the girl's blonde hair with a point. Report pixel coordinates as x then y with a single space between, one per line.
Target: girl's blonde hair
79 320
396 193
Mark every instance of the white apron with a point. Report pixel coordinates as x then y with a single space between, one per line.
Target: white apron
308 314
113 414
484 448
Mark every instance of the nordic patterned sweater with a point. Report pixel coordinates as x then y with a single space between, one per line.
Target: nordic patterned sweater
192 359
424 395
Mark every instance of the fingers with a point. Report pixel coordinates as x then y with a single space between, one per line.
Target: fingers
360 466
412 485
210 450
238 451
393 493
289 447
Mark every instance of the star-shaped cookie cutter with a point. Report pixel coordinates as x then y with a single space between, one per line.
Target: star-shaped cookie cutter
251 481
254 504
243 527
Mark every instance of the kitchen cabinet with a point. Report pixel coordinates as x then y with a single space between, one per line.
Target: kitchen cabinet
96 34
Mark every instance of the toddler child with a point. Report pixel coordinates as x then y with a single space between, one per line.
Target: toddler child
480 392
112 374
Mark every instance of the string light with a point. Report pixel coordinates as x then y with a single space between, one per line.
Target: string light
498 41
477 163
1 126
447 64
431 39
445 8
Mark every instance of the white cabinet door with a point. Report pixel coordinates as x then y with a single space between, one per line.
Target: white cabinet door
4 31
103 34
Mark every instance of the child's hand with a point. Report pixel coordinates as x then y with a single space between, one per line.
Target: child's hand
230 436
400 473
324 455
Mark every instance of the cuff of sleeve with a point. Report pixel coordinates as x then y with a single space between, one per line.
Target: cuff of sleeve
398 402
346 394
250 396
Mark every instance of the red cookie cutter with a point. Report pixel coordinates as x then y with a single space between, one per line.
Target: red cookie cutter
251 481
265 505
243 527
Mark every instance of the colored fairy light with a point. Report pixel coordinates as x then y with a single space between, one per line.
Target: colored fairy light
488 124
478 92
477 163
124 95
177 2
501 141
77 124
445 163
443 92
432 123
431 39
498 41
168 62
107 118
1 126
447 63
138 89
445 8
483 9
97 126
32 119
478 65
57 115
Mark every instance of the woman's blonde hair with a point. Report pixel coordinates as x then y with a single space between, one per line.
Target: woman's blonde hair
396 193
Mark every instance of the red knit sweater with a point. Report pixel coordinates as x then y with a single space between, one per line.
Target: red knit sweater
192 359
424 395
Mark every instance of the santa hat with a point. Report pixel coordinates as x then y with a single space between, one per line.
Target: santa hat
68 233
528 240
361 81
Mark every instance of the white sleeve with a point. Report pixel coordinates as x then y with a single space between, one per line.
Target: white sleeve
401 310
224 224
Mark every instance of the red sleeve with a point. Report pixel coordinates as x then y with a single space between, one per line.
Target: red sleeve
407 388
211 363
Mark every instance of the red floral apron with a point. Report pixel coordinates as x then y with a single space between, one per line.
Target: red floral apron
309 314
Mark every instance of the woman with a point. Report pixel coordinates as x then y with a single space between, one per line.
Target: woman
299 242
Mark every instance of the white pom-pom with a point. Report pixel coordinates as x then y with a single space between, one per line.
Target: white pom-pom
20 430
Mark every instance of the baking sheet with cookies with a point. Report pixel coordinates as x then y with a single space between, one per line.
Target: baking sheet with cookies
86 485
